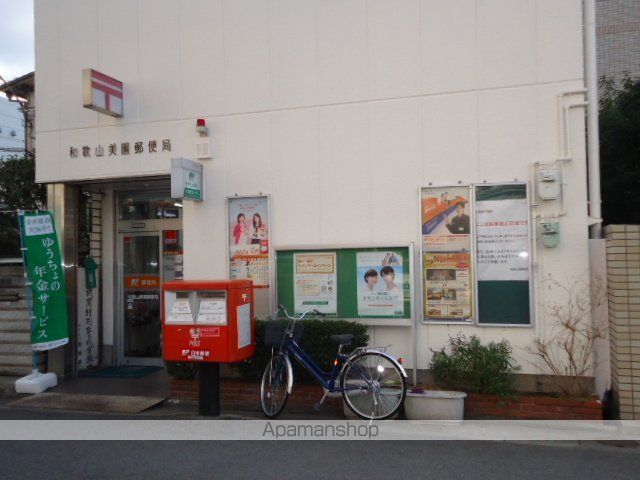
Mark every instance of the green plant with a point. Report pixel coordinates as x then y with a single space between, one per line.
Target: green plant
475 367
181 370
315 342
619 124
18 190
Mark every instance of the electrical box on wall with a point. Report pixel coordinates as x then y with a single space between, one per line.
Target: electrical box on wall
548 181
550 232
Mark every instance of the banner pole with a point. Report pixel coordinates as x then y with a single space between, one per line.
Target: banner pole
28 296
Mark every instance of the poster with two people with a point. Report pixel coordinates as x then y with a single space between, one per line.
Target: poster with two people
380 284
249 239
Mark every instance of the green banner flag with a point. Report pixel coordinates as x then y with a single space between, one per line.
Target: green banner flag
49 322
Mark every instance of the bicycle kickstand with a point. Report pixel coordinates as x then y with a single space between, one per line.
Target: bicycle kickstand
318 406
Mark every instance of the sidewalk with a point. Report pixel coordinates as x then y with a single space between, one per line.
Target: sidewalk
155 384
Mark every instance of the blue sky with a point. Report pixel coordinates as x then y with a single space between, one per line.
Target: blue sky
16 38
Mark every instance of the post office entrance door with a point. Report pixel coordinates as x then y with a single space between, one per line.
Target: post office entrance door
140 285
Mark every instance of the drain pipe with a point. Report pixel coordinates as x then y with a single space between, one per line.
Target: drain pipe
593 142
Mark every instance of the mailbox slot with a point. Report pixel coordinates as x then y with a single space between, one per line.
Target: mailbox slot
212 307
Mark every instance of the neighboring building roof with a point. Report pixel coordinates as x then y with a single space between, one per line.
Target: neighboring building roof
19 87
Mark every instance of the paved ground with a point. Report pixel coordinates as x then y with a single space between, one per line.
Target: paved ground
302 459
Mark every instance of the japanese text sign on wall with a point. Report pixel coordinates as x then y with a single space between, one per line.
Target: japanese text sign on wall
122 149
102 93
46 276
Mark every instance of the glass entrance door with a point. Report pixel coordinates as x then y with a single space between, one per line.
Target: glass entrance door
149 253
140 302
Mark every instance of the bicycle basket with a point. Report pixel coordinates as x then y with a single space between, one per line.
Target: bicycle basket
274 332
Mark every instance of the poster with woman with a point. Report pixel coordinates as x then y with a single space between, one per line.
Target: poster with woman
380 284
249 239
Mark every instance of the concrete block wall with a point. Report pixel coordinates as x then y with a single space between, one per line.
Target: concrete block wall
623 279
16 356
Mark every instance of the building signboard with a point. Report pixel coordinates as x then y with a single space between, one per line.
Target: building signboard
186 179
102 93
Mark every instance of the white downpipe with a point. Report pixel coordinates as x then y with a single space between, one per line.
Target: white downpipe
593 141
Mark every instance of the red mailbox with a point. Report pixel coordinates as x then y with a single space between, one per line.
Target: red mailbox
207 321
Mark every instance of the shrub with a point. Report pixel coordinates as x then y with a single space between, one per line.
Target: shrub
315 341
475 367
568 349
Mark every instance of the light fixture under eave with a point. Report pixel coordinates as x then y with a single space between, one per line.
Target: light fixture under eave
177 204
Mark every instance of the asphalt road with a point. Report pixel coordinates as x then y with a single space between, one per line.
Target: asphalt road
303 460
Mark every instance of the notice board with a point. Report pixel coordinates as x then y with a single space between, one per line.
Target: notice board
503 247
370 283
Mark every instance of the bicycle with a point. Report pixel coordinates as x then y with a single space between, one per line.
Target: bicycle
372 382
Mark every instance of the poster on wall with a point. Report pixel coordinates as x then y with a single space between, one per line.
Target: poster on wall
502 239
446 246
447 285
315 282
446 226
249 239
380 280
503 259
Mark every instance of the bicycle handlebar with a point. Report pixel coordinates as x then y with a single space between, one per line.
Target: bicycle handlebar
293 317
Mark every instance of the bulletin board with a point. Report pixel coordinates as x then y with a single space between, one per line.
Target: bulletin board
503 247
369 284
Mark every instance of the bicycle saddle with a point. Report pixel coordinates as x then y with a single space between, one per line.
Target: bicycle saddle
341 339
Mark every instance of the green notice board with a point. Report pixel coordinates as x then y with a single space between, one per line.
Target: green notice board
350 283
503 254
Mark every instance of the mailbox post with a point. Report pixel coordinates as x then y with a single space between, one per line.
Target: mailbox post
209 323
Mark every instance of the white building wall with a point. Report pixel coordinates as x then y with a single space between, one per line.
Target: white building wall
340 109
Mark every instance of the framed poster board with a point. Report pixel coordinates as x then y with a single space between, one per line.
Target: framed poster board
503 246
446 254
248 224
369 284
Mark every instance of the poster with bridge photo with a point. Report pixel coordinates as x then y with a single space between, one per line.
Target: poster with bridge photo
446 225
380 284
249 239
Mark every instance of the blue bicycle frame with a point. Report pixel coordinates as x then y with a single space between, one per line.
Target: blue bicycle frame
326 379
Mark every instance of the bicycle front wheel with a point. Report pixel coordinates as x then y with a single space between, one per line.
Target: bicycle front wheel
273 388
373 386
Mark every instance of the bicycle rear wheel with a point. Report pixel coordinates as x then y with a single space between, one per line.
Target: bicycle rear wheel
273 388
373 386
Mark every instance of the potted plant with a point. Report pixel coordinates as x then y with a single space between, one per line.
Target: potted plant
469 366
